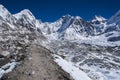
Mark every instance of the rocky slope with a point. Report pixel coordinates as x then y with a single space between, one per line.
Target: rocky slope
39 66
20 49
84 50
98 62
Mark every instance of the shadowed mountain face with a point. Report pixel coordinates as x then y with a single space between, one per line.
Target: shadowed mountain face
92 46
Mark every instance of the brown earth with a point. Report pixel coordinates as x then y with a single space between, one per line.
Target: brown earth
40 66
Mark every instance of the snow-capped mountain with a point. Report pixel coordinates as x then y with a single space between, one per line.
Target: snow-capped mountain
82 44
6 18
25 18
72 27
75 28
99 24
114 23
19 20
4 13
115 19
98 20
68 27
112 29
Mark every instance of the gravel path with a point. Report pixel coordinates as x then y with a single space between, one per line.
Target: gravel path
39 66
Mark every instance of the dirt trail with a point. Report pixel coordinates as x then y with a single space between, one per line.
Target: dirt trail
39 67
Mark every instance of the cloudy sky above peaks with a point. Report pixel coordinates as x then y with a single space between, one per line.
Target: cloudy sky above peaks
51 10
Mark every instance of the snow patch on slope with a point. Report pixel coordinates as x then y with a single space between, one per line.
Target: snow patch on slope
74 72
7 68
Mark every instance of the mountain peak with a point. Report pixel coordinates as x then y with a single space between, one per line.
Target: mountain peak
118 13
78 17
115 18
25 12
3 11
67 15
1 6
98 18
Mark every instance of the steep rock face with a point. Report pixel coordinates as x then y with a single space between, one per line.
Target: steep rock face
98 20
67 27
99 24
115 18
114 23
77 23
74 27
113 28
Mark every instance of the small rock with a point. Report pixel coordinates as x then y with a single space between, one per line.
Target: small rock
5 54
33 72
19 48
